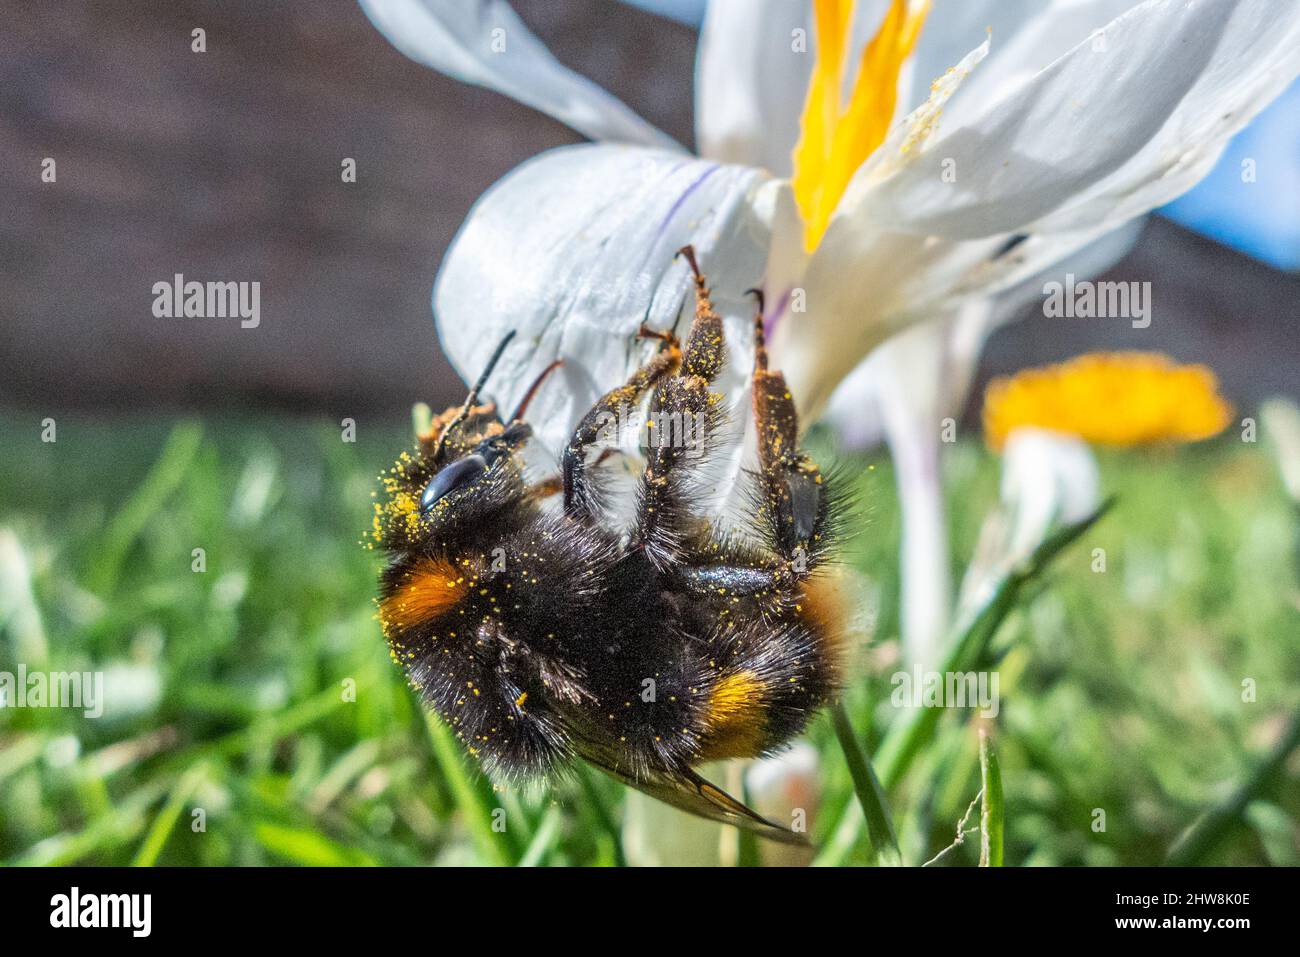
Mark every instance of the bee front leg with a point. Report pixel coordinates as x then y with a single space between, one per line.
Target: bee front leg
680 402
580 494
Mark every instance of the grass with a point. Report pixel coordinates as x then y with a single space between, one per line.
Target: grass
254 716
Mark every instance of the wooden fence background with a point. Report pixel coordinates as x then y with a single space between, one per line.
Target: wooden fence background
225 165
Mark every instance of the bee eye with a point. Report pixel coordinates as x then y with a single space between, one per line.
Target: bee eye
456 475
504 444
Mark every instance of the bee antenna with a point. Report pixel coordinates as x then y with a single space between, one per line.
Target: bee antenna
532 390
492 364
474 391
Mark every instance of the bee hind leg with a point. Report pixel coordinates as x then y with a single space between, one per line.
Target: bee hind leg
795 509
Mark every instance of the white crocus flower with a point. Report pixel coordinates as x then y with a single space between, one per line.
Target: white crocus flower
866 179
1049 479
1044 421
1281 419
910 392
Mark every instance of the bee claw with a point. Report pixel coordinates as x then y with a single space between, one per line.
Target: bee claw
645 332
688 252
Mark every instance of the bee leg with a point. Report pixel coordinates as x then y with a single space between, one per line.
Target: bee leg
545 488
682 406
794 510
705 347
581 498
736 580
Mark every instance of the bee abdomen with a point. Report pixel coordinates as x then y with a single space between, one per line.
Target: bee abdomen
735 720
444 623
772 677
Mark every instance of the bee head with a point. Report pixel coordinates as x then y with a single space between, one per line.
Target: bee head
463 471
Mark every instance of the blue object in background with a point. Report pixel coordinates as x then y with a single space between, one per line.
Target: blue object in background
1260 218
689 12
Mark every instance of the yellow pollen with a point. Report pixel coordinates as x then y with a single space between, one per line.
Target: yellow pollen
736 713
1109 398
836 138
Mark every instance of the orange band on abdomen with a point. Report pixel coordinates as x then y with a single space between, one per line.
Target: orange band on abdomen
432 587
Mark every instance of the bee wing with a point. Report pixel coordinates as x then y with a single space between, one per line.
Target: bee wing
687 791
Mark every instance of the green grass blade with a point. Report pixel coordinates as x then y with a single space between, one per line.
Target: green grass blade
163 478
276 727
595 808
163 824
307 847
544 838
351 765
904 740
19 751
473 795
1211 827
747 849
20 616
992 805
871 796
105 833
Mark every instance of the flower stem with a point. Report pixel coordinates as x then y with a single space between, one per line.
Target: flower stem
992 813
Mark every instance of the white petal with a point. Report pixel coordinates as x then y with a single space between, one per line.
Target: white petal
905 389
750 83
1018 276
785 776
575 249
1281 420
860 290
786 788
911 389
1180 75
955 338
1257 58
984 300
1027 35
957 26
1082 233
751 77
485 43
1047 478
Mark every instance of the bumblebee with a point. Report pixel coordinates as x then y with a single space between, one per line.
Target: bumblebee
539 633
